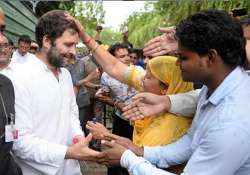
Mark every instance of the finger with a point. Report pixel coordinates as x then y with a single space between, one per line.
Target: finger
89 127
134 103
109 144
110 136
141 95
152 41
139 117
154 51
167 29
129 106
147 50
131 111
88 138
160 53
151 46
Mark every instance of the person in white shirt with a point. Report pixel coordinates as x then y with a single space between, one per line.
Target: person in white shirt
50 137
22 55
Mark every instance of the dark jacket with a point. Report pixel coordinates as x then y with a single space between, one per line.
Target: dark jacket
7 164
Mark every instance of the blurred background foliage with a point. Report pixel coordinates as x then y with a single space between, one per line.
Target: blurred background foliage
142 25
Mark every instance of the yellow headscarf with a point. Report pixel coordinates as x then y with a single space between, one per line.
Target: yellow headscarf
163 128
164 69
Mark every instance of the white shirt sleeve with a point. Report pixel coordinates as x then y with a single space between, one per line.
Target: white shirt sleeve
184 104
139 166
160 156
75 122
44 156
171 154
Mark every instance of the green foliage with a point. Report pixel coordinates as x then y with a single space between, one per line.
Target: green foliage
144 25
45 6
109 37
89 13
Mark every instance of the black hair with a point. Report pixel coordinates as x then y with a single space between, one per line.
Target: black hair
213 29
138 51
53 24
116 47
25 39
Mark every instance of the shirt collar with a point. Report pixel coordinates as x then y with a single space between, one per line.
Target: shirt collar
44 66
228 84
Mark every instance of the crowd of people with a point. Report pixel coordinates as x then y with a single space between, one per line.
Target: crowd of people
183 109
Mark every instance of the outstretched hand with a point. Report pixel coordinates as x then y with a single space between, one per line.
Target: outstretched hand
145 105
112 154
81 151
98 130
163 44
125 142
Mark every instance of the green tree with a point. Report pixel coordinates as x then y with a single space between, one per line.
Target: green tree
144 25
89 13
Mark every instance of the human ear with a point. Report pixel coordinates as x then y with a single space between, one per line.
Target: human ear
46 42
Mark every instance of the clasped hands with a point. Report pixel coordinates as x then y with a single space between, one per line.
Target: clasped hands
113 146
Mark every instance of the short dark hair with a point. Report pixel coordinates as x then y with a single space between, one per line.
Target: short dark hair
53 24
116 47
213 29
25 39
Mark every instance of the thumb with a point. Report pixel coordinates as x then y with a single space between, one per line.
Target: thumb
109 144
88 138
141 95
167 29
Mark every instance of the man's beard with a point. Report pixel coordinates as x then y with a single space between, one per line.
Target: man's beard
54 57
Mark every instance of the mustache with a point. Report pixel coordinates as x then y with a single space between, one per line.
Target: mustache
68 55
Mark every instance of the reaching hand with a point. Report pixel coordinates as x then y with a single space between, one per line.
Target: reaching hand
94 75
112 153
145 105
83 35
163 44
81 151
125 142
97 130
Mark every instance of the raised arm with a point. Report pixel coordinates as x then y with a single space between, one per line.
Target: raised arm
107 61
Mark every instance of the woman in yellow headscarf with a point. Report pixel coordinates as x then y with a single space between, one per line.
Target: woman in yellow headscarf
162 77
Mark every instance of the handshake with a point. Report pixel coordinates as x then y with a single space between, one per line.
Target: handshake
113 146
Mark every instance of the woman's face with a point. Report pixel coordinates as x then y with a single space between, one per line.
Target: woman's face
153 85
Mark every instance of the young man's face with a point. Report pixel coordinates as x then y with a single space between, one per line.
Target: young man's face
23 48
193 67
123 55
64 47
133 58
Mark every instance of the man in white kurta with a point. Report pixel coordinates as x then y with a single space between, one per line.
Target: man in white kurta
47 119
46 111
22 55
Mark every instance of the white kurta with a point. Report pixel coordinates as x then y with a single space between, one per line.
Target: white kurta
22 59
47 119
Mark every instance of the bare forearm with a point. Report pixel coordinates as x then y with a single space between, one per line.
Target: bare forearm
92 85
107 61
